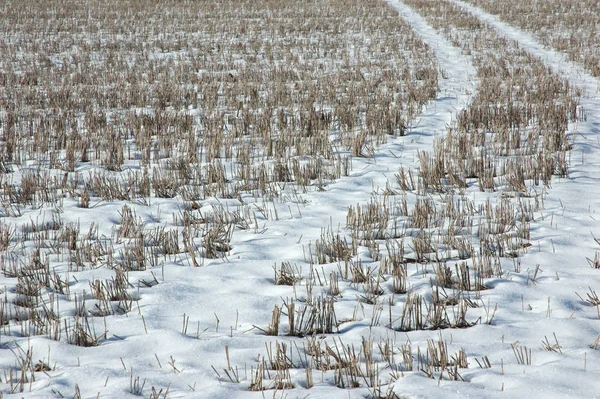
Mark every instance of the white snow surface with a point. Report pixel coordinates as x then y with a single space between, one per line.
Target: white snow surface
240 293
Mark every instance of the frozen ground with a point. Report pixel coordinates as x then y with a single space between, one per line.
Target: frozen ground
222 302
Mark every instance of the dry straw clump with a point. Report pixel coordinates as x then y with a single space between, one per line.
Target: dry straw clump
372 364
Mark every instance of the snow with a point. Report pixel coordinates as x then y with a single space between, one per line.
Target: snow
223 302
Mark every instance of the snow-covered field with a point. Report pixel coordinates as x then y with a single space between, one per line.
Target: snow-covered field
355 284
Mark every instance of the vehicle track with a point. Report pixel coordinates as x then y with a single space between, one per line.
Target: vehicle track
561 232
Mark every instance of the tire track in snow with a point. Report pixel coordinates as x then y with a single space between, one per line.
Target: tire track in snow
459 82
558 62
576 197
561 238
570 212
